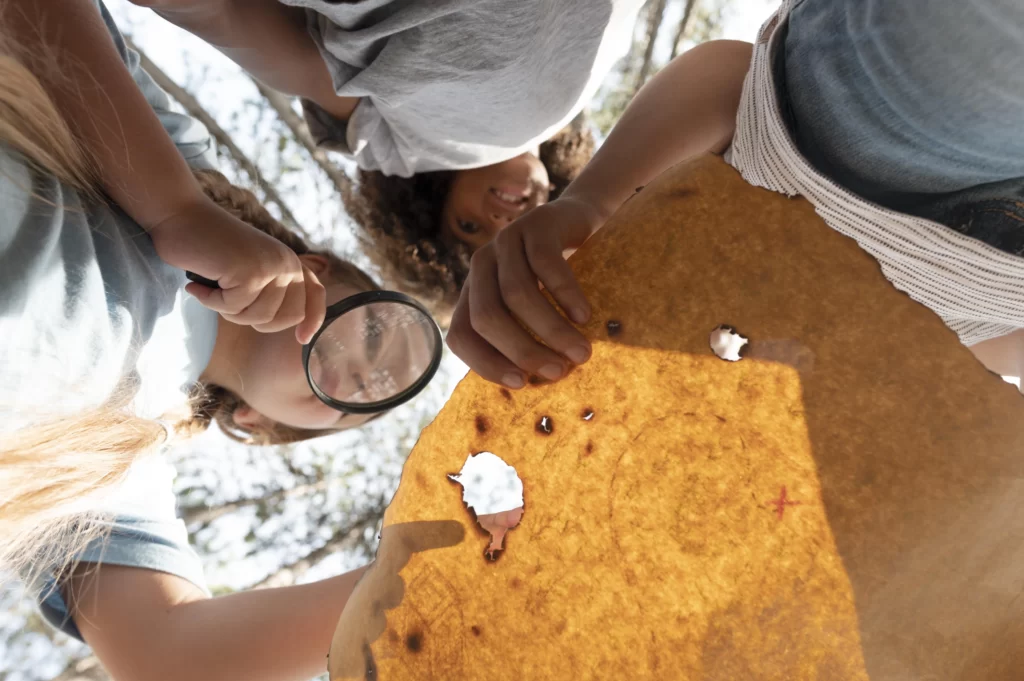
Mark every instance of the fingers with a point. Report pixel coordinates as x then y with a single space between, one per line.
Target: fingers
316 307
280 304
270 305
202 293
546 260
491 319
477 353
517 279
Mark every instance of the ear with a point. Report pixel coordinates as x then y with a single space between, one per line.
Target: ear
248 418
317 263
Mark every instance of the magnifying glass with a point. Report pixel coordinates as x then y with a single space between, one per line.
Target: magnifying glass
375 351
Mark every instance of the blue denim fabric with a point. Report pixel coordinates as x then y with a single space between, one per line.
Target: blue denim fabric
917 105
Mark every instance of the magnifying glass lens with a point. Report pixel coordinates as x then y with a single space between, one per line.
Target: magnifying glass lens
373 353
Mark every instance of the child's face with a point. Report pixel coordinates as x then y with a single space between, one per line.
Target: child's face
483 201
276 389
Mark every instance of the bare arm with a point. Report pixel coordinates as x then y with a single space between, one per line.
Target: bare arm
687 109
70 50
150 626
266 38
140 168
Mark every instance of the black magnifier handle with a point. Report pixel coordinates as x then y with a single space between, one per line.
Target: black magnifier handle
192 276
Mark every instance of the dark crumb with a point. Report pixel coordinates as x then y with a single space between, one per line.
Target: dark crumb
545 426
614 328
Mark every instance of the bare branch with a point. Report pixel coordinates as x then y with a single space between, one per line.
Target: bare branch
684 24
196 110
344 538
207 514
654 19
282 104
86 669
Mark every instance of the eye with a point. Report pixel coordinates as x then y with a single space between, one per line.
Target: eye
467 227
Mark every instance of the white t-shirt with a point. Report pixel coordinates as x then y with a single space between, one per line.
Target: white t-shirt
452 84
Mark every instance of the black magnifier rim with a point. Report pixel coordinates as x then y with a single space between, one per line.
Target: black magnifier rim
347 305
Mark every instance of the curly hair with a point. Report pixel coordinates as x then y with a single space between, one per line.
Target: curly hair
399 220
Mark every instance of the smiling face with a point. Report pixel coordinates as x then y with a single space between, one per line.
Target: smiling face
483 201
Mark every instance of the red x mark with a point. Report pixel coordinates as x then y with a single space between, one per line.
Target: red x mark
781 503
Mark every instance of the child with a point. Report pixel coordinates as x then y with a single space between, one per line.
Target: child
464 100
900 128
104 358
421 231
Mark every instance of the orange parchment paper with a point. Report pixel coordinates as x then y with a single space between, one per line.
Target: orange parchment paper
845 502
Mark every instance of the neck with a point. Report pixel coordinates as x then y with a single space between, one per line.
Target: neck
339 107
230 358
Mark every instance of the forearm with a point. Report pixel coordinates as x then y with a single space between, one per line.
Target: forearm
266 635
265 37
687 109
150 626
75 59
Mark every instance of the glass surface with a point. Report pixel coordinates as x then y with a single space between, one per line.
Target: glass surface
373 353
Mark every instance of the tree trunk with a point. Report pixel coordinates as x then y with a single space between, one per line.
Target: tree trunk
654 19
196 110
282 105
684 24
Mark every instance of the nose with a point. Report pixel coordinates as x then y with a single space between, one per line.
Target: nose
499 220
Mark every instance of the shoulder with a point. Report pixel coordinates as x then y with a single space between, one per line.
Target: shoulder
143 532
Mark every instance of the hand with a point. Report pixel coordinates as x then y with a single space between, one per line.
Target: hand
262 282
503 286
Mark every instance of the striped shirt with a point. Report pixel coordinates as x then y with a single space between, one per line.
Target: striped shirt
977 289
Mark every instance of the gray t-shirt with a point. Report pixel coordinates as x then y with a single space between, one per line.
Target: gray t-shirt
84 301
452 84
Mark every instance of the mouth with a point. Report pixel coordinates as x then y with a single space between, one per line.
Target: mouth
511 197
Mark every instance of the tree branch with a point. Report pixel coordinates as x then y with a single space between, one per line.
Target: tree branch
684 24
207 514
343 538
654 20
85 669
282 105
196 110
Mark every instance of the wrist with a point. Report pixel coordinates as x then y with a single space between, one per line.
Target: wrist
163 211
595 212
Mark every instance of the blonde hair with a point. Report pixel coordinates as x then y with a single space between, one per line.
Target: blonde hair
52 470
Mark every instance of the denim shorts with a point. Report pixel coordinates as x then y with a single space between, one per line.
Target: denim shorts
917 105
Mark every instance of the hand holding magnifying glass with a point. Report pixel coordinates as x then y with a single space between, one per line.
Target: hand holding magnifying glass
375 351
